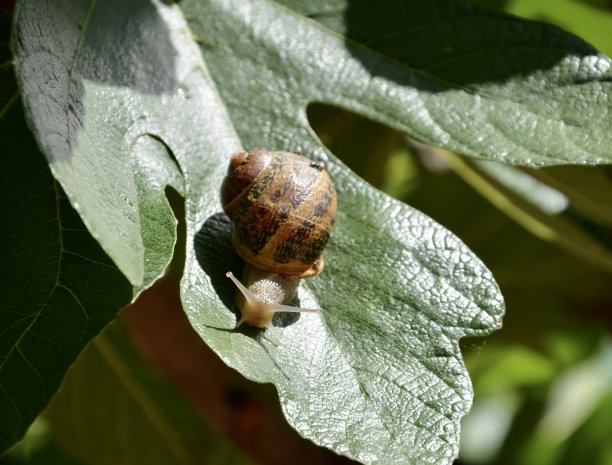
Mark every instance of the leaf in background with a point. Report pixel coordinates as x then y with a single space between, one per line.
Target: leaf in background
509 367
139 418
58 288
37 448
592 24
380 377
566 411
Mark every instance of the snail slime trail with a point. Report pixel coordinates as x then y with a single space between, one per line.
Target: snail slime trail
282 206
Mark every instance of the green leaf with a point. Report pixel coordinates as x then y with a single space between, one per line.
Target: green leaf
37 448
74 87
58 289
592 24
446 72
380 377
112 88
113 409
51 264
507 368
398 290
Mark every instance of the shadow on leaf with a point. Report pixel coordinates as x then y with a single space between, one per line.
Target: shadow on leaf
451 44
216 255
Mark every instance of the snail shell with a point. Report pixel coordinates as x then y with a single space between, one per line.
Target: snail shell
282 206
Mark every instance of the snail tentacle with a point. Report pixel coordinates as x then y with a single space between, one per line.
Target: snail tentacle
259 310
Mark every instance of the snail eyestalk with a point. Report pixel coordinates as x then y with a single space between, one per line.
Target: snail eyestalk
259 311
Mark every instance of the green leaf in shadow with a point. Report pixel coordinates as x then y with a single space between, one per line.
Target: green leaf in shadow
58 288
536 206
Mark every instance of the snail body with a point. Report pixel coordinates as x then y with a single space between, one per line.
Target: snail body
282 206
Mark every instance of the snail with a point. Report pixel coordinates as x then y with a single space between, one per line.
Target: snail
283 207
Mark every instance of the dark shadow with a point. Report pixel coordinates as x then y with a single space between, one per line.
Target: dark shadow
499 5
605 5
437 44
127 44
61 47
216 256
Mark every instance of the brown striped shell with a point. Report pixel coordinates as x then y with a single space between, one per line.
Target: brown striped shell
283 207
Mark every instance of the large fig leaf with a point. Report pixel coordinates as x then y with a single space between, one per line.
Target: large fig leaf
117 92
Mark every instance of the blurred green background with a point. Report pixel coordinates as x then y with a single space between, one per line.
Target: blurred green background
543 384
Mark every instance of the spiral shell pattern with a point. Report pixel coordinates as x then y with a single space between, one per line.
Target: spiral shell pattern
283 207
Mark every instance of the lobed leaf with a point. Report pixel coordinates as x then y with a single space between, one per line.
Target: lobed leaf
123 103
